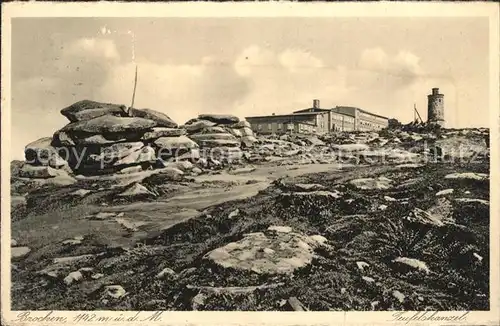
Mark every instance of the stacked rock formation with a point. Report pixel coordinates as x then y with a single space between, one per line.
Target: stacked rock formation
109 138
220 137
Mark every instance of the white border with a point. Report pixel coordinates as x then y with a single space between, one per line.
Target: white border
282 9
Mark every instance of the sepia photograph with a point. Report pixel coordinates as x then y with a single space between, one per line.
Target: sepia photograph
290 163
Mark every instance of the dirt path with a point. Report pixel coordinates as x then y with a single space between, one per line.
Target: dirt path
206 191
191 203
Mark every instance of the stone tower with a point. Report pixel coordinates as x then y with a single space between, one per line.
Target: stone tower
435 108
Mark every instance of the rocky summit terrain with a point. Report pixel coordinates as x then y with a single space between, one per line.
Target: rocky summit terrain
123 209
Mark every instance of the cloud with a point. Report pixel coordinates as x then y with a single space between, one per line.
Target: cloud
181 91
281 82
257 82
393 83
93 47
299 61
407 63
254 59
79 72
373 59
404 63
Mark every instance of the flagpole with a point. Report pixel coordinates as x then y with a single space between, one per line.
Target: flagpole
133 60
135 86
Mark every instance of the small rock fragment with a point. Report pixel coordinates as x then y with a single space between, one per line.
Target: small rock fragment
242 170
73 277
49 274
482 202
71 259
368 279
131 226
97 276
381 183
382 207
196 170
414 263
268 251
136 189
103 215
80 192
115 291
18 252
86 270
198 301
131 169
409 166
444 192
282 229
398 295
478 257
234 213
165 273
468 176
71 242
295 304
319 239
424 217
361 265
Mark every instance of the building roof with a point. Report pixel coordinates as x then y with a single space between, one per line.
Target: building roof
283 115
316 111
344 107
310 113
312 110
376 115
361 110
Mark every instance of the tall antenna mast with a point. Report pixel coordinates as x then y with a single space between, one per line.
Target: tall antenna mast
418 114
135 86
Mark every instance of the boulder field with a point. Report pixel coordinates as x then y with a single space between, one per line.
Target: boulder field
103 138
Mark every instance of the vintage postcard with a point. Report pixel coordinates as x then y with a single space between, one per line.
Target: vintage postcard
250 163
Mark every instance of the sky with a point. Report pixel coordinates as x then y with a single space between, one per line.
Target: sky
247 66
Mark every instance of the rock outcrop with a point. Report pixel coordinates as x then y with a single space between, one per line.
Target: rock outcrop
220 136
219 118
278 250
109 124
109 138
162 120
86 110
